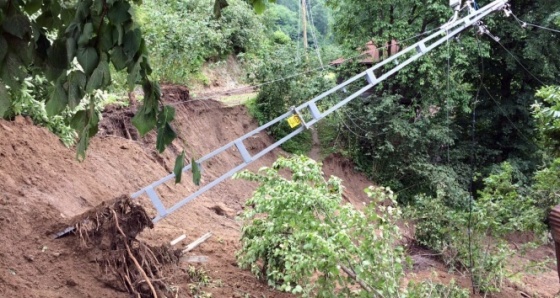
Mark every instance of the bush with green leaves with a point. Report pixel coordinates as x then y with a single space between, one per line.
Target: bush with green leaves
296 227
25 103
299 236
546 185
502 208
429 289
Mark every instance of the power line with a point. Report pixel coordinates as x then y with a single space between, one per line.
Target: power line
507 117
310 16
519 62
525 24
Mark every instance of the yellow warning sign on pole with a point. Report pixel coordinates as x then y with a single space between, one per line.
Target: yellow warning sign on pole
294 121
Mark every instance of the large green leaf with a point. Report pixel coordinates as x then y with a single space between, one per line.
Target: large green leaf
73 30
104 66
58 100
165 136
12 71
88 59
166 115
131 42
133 75
5 102
22 48
32 6
179 165
17 25
95 81
106 38
70 49
144 122
165 133
79 121
76 86
83 9
45 20
118 34
118 58
118 13
87 34
86 124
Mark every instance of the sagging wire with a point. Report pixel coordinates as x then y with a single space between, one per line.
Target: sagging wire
315 41
519 62
524 24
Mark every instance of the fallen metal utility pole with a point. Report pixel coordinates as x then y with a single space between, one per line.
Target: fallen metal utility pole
371 77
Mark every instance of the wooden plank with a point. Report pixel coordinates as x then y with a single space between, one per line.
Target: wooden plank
197 242
177 240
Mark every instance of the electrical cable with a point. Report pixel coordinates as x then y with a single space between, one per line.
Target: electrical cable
524 24
507 117
315 41
519 62
298 57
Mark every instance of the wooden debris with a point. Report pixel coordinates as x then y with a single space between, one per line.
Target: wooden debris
178 239
197 242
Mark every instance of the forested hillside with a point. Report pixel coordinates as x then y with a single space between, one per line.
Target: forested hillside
463 144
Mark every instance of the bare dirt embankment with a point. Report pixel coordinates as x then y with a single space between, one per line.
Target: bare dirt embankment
43 186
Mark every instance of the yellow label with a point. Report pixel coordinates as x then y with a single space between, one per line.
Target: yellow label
294 121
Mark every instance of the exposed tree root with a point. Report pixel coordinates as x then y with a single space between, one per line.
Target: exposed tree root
108 232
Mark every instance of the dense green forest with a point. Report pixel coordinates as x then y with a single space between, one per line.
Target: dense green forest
469 135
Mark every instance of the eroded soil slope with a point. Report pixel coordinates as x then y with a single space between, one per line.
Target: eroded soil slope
43 185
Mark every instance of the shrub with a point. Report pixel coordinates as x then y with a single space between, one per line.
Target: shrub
296 227
501 209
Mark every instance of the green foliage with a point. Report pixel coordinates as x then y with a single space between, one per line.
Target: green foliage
297 227
508 204
415 130
25 103
546 186
285 16
283 90
183 35
430 289
502 208
72 44
280 37
547 115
